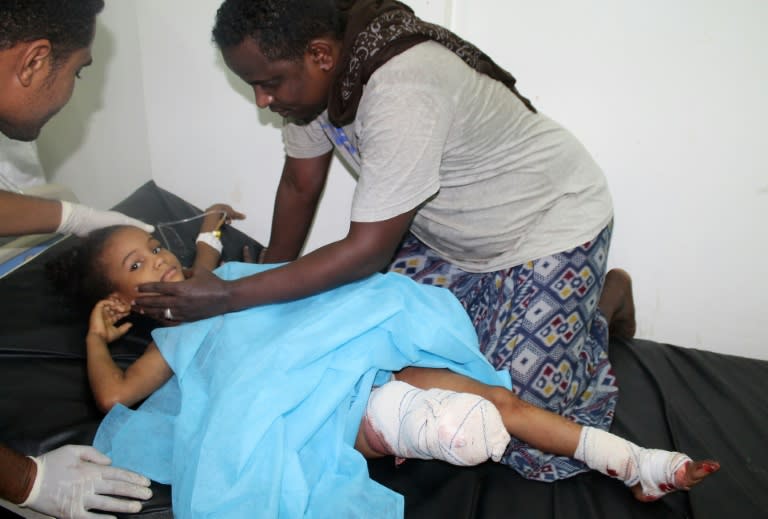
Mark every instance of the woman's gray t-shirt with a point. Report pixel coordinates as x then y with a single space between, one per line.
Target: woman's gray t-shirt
496 185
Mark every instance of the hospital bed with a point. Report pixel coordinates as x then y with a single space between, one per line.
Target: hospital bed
706 404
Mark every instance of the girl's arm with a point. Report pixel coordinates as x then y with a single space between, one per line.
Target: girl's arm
207 257
109 383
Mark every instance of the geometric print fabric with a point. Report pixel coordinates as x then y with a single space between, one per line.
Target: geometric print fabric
541 322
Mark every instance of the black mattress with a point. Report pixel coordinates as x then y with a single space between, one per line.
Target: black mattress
706 404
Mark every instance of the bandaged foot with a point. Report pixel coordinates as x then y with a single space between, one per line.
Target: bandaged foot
460 428
651 473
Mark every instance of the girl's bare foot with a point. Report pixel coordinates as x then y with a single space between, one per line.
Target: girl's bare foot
690 474
618 305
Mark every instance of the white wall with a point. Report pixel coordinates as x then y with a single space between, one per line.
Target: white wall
97 145
669 97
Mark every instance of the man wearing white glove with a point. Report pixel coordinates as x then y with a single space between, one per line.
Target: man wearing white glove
21 214
37 77
69 481
38 67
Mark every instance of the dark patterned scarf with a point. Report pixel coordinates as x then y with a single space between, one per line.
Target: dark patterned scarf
378 30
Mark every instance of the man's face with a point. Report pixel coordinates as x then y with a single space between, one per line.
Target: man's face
293 89
28 108
132 257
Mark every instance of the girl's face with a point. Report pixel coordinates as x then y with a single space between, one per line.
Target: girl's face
133 256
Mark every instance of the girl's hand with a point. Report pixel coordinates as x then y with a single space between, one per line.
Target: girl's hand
221 214
104 316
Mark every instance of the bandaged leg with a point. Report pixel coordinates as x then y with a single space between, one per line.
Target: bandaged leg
460 428
654 469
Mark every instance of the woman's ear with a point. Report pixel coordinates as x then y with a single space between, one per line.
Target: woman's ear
34 61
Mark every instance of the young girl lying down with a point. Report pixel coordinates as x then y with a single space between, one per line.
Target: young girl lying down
269 409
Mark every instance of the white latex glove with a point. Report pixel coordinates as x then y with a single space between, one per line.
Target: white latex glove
80 219
76 478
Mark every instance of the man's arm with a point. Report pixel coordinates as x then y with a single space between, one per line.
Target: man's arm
298 193
69 481
365 250
21 214
17 475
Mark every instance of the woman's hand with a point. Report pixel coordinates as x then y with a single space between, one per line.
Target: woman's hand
104 315
220 214
202 295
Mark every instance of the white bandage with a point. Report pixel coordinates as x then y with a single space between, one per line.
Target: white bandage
460 428
211 239
654 469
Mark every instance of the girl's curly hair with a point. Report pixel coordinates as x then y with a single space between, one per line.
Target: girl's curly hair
80 273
